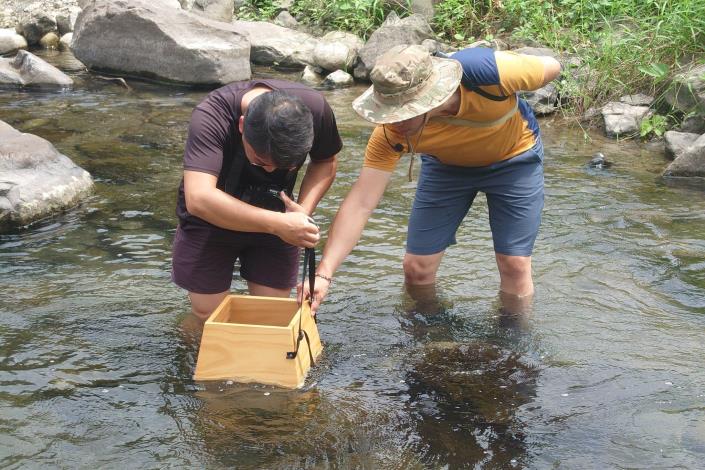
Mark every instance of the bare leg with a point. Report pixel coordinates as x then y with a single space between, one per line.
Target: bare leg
516 288
259 289
421 269
202 305
420 282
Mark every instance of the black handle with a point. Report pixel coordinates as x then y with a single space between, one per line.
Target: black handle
310 265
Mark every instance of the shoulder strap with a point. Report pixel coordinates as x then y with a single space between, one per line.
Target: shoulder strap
229 176
485 94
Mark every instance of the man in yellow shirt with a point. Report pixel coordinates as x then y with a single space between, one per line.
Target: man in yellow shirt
475 134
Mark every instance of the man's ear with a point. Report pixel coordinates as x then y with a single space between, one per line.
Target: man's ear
240 123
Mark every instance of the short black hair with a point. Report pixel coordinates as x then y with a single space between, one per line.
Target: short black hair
279 126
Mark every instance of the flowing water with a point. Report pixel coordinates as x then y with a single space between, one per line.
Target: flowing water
607 372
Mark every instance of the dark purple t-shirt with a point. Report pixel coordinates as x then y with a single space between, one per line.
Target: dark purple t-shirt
214 138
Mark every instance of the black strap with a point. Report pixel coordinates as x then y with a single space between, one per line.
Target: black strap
484 94
310 264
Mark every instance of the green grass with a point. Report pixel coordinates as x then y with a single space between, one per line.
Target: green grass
627 46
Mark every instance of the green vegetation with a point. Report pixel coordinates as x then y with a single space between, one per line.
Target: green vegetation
624 46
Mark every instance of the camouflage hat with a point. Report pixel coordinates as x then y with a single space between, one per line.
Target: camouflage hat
407 82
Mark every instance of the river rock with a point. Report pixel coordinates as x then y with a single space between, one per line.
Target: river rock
338 79
394 31
37 180
311 75
275 45
149 39
285 20
423 8
544 100
538 51
49 41
34 25
691 162
65 42
678 142
27 69
623 120
687 92
10 41
637 100
337 50
283 4
66 22
219 10
694 124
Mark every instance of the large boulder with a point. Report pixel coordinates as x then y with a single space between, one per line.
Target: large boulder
677 143
10 41
150 39
393 32
691 162
276 45
623 120
337 50
687 92
65 22
35 179
27 69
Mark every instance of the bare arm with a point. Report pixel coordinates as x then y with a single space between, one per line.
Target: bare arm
211 204
318 178
551 69
348 225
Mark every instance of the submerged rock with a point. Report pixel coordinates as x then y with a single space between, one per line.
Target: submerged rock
49 41
338 79
150 39
27 69
598 161
37 181
311 75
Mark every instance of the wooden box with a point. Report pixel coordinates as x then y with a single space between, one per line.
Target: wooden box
251 339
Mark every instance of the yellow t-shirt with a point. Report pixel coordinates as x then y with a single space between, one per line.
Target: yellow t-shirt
473 146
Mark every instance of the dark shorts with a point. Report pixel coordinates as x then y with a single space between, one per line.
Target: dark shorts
445 193
204 257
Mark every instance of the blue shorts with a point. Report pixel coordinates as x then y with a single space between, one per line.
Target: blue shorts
514 190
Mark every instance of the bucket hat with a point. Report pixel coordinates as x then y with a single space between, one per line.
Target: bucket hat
407 82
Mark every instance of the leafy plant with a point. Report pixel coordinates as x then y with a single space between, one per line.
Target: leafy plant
658 71
654 125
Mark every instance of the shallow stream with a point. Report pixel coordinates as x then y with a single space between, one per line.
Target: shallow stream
95 366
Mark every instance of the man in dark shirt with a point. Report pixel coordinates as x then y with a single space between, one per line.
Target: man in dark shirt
245 145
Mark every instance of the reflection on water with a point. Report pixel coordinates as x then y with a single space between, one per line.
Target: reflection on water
605 371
